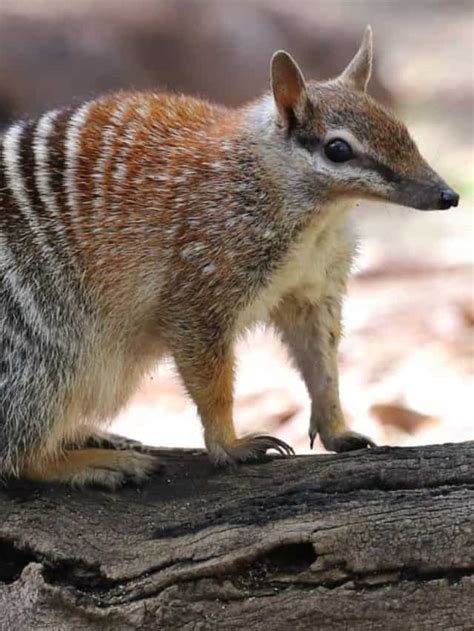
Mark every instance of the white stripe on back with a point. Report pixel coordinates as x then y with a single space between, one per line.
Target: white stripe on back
109 134
129 135
16 183
72 148
43 174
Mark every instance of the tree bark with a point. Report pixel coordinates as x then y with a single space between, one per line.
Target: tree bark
376 539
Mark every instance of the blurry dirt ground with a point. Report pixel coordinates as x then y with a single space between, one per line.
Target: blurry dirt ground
406 361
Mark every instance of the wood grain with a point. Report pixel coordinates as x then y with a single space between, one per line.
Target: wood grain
376 539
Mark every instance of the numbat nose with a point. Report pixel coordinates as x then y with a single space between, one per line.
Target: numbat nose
448 198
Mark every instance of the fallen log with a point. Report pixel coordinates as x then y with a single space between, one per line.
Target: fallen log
375 539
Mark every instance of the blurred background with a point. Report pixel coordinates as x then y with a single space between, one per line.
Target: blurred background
407 357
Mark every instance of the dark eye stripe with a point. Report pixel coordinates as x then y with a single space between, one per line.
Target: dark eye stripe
385 171
309 142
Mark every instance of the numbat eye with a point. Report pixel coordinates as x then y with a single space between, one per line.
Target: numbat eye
338 151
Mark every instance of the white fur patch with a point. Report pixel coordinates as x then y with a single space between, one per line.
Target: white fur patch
304 271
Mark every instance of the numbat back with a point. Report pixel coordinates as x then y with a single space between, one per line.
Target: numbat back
141 224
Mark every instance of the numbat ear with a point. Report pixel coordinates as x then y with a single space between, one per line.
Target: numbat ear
289 88
357 74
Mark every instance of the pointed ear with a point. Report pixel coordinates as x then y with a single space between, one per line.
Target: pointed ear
357 74
289 88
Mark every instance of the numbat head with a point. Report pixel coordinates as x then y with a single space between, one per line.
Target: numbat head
141 223
337 139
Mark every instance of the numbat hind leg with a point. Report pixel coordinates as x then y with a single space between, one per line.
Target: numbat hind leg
105 440
93 467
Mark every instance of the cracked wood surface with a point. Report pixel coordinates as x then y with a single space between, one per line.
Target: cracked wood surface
378 539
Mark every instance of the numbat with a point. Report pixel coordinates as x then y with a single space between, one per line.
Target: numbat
142 223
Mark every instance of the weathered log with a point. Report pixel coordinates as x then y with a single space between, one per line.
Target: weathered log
377 539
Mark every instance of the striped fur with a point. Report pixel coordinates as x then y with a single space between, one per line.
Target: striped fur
140 223
16 179
42 166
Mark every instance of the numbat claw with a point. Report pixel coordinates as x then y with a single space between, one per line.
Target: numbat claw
251 448
262 444
348 441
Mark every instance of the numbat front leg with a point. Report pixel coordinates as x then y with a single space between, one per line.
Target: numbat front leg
209 380
312 333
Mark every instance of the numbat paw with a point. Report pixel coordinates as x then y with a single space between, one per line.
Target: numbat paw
135 469
348 441
249 449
